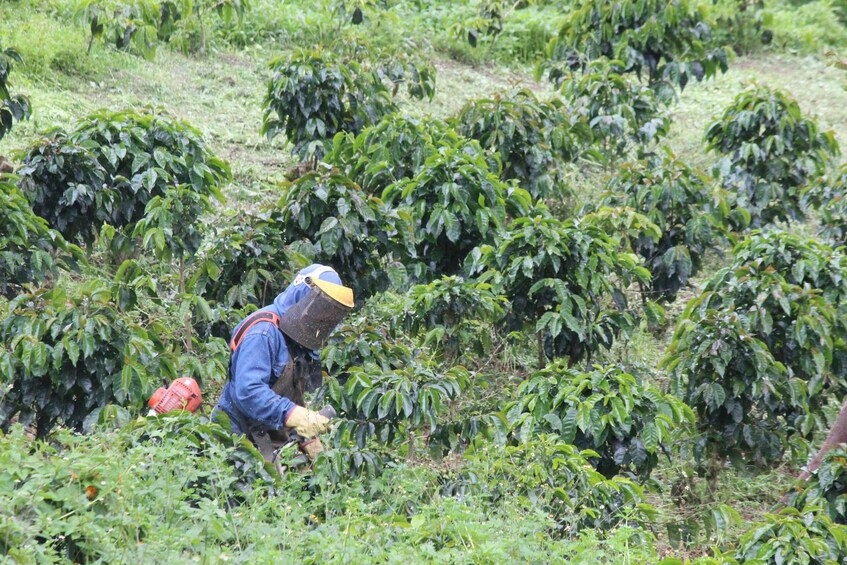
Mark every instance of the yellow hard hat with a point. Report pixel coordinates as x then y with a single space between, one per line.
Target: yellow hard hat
339 293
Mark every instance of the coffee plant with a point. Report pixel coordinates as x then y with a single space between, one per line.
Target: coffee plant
620 113
802 261
770 153
394 149
396 404
680 202
348 229
139 26
452 312
631 227
133 284
372 336
744 25
826 488
792 536
172 232
170 227
486 25
533 138
776 305
123 26
833 226
625 420
360 343
398 65
31 251
829 192
111 165
668 42
346 462
568 279
797 325
622 220
792 289
559 479
66 185
315 94
353 10
471 420
13 108
185 23
737 388
457 203
67 354
244 260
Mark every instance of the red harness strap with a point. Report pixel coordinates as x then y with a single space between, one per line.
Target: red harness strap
251 321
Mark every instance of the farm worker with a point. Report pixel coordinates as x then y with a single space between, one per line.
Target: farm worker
837 435
274 359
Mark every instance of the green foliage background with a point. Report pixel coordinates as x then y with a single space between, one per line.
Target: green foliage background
500 232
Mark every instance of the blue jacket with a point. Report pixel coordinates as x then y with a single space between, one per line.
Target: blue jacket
258 362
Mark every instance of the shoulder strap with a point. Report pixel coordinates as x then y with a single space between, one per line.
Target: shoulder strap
251 321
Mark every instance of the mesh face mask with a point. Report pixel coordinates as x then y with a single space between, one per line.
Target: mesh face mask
312 319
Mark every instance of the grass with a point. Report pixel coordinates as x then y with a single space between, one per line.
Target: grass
221 95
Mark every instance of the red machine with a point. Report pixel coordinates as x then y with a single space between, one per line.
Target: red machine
182 394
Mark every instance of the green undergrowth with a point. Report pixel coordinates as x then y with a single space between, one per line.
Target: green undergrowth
146 493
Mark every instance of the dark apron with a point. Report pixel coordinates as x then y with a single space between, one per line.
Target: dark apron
297 377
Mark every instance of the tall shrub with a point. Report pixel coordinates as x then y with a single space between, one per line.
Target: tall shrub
533 138
667 41
29 250
681 203
770 153
568 280
111 165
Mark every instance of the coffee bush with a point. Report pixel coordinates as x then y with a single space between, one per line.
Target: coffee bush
681 203
559 479
618 415
770 154
30 252
67 354
110 165
567 278
456 202
452 312
533 138
394 149
347 228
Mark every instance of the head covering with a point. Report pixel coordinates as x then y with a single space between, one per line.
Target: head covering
309 324
298 289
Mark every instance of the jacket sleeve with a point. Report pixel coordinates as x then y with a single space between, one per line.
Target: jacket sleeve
253 372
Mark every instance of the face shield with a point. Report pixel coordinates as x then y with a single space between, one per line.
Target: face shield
312 319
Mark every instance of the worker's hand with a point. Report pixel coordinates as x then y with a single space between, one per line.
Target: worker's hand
311 448
306 423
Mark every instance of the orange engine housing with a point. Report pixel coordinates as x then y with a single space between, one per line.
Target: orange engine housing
183 394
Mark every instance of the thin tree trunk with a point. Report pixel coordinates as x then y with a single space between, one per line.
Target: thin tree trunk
541 357
189 330
411 453
714 471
